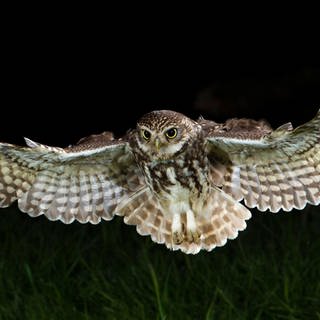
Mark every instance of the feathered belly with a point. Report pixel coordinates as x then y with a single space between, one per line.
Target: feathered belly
175 199
178 190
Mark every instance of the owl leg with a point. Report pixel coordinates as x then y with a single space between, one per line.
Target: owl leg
176 229
181 232
193 234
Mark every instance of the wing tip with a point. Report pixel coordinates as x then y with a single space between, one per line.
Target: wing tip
30 143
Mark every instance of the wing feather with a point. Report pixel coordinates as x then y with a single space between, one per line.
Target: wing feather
85 182
269 170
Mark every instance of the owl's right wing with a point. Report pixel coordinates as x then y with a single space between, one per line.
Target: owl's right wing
85 182
270 170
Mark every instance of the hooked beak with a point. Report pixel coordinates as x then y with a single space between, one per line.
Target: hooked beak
157 144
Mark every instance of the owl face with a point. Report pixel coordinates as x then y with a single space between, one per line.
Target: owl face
163 134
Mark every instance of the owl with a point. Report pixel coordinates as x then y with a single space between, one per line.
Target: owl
187 184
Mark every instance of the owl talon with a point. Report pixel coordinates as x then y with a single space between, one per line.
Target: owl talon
177 237
177 231
193 236
192 233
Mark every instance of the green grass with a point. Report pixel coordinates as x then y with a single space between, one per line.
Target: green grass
53 271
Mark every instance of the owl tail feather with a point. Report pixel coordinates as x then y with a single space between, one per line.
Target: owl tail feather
143 210
220 219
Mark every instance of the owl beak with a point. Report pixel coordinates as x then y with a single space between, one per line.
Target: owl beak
157 144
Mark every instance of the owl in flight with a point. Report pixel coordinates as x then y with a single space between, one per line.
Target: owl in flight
178 180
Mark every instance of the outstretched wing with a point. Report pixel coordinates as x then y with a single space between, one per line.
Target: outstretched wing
270 170
84 182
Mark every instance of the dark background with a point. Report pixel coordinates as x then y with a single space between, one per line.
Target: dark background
58 86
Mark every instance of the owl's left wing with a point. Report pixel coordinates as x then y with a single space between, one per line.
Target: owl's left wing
270 170
85 182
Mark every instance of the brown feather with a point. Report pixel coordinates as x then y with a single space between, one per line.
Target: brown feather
281 171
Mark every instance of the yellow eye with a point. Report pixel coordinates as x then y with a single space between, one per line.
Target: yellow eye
171 133
146 135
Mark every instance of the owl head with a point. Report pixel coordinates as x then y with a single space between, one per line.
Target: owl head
163 134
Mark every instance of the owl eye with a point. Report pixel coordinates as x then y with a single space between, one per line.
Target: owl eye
146 135
171 133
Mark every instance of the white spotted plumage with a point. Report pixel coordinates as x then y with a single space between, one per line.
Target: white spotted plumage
182 187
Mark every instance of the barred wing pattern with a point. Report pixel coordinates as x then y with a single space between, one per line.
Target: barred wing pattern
84 183
270 171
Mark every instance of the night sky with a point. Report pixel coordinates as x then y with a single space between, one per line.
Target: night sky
63 91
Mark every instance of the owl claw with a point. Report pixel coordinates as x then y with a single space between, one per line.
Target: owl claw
193 236
177 237
185 232
177 229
